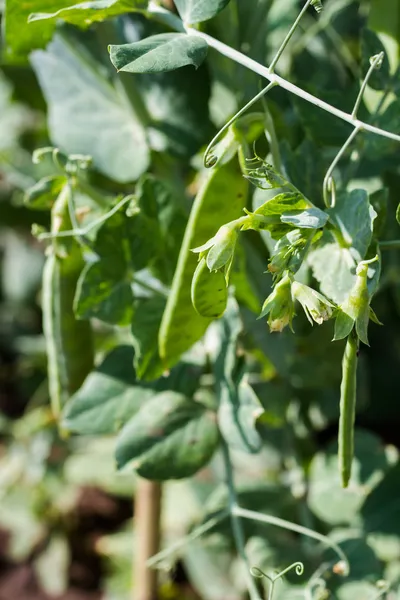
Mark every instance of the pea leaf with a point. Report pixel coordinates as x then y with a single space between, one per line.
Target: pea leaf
327 499
370 46
171 437
80 100
42 195
84 14
334 268
193 11
147 315
220 199
111 394
158 53
354 216
310 218
239 407
124 245
30 24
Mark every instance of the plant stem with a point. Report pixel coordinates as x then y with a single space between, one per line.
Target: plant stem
237 529
208 158
270 520
390 245
377 60
328 177
147 531
288 37
175 23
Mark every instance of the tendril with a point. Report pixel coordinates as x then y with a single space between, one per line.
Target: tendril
210 159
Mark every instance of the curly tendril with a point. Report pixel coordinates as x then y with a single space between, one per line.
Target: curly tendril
317 4
297 566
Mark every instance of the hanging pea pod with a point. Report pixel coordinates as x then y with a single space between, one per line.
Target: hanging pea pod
348 393
69 342
209 292
221 198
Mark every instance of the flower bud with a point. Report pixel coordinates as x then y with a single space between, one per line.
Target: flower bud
221 248
316 306
279 306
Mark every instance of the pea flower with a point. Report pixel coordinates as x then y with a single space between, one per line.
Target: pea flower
220 249
279 306
356 310
316 306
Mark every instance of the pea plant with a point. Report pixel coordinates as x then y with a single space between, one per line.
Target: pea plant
213 334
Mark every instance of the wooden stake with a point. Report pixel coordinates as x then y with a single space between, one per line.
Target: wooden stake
147 534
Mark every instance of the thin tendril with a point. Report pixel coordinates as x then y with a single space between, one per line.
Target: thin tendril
329 186
79 231
210 159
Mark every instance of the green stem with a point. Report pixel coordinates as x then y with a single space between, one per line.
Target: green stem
193 535
270 520
175 22
329 185
374 64
288 37
237 529
390 245
209 159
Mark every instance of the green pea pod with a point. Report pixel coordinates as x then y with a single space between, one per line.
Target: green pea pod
69 343
221 198
209 291
348 392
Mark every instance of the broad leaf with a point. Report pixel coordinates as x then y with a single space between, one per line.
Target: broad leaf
290 209
123 245
30 24
309 218
239 407
147 315
195 11
84 14
81 100
158 53
171 437
327 499
111 394
354 217
334 268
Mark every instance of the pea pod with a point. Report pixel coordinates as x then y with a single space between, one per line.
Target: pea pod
69 342
348 392
221 198
209 291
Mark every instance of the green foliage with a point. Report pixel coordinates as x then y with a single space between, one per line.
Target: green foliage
205 291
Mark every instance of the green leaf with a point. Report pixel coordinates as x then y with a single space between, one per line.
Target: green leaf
87 114
123 245
310 218
291 204
239 407
381 510
334 268
370 46
147 315
84 14
159 53
377 146
221 197
354 217
111 394
193 11
42 195
327 499
171 437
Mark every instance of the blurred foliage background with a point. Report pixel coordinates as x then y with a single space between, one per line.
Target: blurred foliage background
66 515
